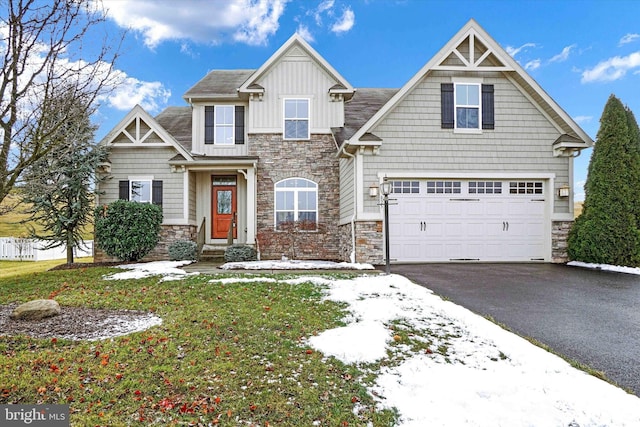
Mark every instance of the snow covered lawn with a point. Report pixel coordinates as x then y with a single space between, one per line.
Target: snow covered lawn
439 364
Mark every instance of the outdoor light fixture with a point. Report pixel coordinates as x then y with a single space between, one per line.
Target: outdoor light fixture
373 190
564 191
385 189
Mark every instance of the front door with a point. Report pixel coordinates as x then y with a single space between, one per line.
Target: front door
223 206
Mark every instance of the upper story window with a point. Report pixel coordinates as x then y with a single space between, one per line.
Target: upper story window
467 106
296 202
219 124
467 98
296 119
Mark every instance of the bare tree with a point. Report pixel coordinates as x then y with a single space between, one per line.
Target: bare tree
47 45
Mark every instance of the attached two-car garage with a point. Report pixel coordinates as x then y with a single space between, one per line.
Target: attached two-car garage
437 220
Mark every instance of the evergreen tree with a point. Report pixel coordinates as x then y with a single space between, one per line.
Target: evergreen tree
634 143
607 231
59 187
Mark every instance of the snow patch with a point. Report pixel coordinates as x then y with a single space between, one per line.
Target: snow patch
168 269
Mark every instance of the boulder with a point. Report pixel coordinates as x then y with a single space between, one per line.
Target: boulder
36 310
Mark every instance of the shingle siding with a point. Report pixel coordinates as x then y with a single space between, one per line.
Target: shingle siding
413 139
147 161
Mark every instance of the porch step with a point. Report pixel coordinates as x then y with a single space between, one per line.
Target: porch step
212 253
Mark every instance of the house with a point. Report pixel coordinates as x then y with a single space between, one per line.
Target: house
479 156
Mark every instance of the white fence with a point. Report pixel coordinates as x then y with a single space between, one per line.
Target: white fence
16 249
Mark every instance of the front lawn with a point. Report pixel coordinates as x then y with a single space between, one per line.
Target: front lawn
227 354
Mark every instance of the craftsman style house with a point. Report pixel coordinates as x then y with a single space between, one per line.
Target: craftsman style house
289 157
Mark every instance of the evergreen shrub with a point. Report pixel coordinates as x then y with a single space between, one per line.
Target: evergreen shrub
239 253
127 230
183 250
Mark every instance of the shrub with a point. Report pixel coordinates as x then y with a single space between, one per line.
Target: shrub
127 230
238 253
183 250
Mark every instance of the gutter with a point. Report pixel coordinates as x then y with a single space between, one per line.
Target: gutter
352 256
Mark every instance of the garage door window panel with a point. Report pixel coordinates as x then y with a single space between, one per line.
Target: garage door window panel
444 187
405 187
485 187
526 187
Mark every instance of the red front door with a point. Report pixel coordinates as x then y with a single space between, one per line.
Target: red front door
223 207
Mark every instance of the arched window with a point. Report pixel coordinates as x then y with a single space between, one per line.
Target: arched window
296 202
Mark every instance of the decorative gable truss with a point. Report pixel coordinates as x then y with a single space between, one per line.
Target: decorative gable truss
471 52
139 129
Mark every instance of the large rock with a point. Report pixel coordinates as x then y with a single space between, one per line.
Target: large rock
36 310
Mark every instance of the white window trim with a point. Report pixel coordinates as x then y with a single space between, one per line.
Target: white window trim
466 81
232 125
284 118
146 178
295 201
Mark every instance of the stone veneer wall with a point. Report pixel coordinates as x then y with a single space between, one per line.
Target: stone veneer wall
315 160
559 237
168 235
369 242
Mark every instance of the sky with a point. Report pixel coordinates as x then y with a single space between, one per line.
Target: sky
580 52
474 374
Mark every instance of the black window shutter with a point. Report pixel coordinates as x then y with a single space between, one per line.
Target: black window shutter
239 130
156 192
123 190
488 121
447 106
209 124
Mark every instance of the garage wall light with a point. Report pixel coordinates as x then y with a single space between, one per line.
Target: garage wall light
373 190
564 191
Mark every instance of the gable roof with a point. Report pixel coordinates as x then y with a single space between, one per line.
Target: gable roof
136 117
177 121
251 84
218 84
364 104
473 49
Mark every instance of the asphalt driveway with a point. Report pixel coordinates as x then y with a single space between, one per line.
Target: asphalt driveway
588 315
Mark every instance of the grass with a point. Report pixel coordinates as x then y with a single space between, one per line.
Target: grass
12 223
231 354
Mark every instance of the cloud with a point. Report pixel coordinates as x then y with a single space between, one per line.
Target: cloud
247 21
325 6
151 96
304 32
562 56
532 65
612 69
628 38
345 23
582 119
513 51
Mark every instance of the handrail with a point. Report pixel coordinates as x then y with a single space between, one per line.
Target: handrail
202 232
232 226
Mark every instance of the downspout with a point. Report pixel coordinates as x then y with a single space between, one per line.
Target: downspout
352 256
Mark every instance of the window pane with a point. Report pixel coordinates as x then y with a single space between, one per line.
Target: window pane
224 201
284 200
290 129
461 94
307 200
224 135
467 118
307 216
283 217
290 109
224 115
303 109
141 191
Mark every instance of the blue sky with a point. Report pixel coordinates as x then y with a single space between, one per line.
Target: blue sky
580 52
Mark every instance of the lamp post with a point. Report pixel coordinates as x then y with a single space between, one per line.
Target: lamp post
385 189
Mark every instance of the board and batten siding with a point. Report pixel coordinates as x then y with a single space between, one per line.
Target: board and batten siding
149 161
347 188
197 129
296 75
414 141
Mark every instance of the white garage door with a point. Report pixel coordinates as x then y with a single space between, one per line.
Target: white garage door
465 220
